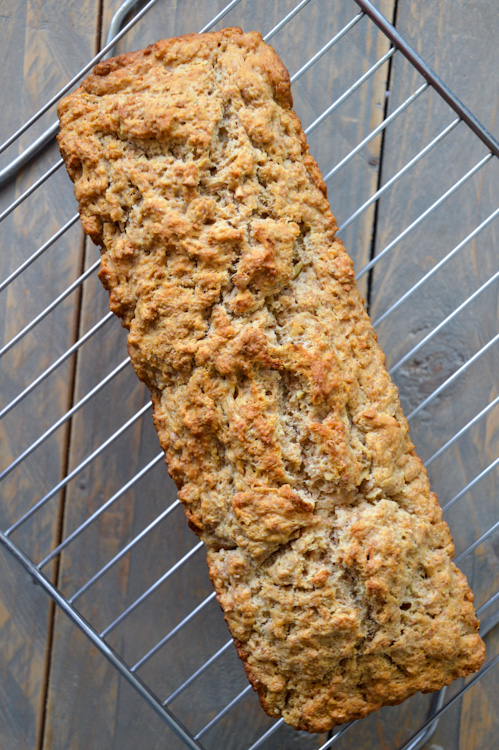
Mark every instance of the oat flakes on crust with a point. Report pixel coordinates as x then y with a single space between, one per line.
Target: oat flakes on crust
279 422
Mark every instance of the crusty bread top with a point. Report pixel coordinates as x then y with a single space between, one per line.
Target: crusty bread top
278 419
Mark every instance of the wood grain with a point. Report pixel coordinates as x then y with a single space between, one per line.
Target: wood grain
40 44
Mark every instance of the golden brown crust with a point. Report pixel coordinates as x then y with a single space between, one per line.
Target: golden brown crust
279 422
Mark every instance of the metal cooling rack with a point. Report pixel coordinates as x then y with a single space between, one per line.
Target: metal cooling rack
472 416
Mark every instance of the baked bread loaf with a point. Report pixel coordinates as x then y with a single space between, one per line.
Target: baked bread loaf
279 422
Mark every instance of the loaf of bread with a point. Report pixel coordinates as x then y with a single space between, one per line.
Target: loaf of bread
279 422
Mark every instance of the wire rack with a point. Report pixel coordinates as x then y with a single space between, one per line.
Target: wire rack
87 507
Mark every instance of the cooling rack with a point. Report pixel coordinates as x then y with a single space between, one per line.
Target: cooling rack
87 509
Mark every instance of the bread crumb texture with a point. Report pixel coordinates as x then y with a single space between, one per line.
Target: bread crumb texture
279 422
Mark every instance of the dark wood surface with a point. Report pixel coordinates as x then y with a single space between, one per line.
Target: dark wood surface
36 60
56 690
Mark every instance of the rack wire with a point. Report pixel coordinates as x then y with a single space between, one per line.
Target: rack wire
460 398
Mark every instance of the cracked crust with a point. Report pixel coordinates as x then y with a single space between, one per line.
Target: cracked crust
279 422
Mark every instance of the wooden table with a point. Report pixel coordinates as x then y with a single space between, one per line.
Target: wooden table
56 691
